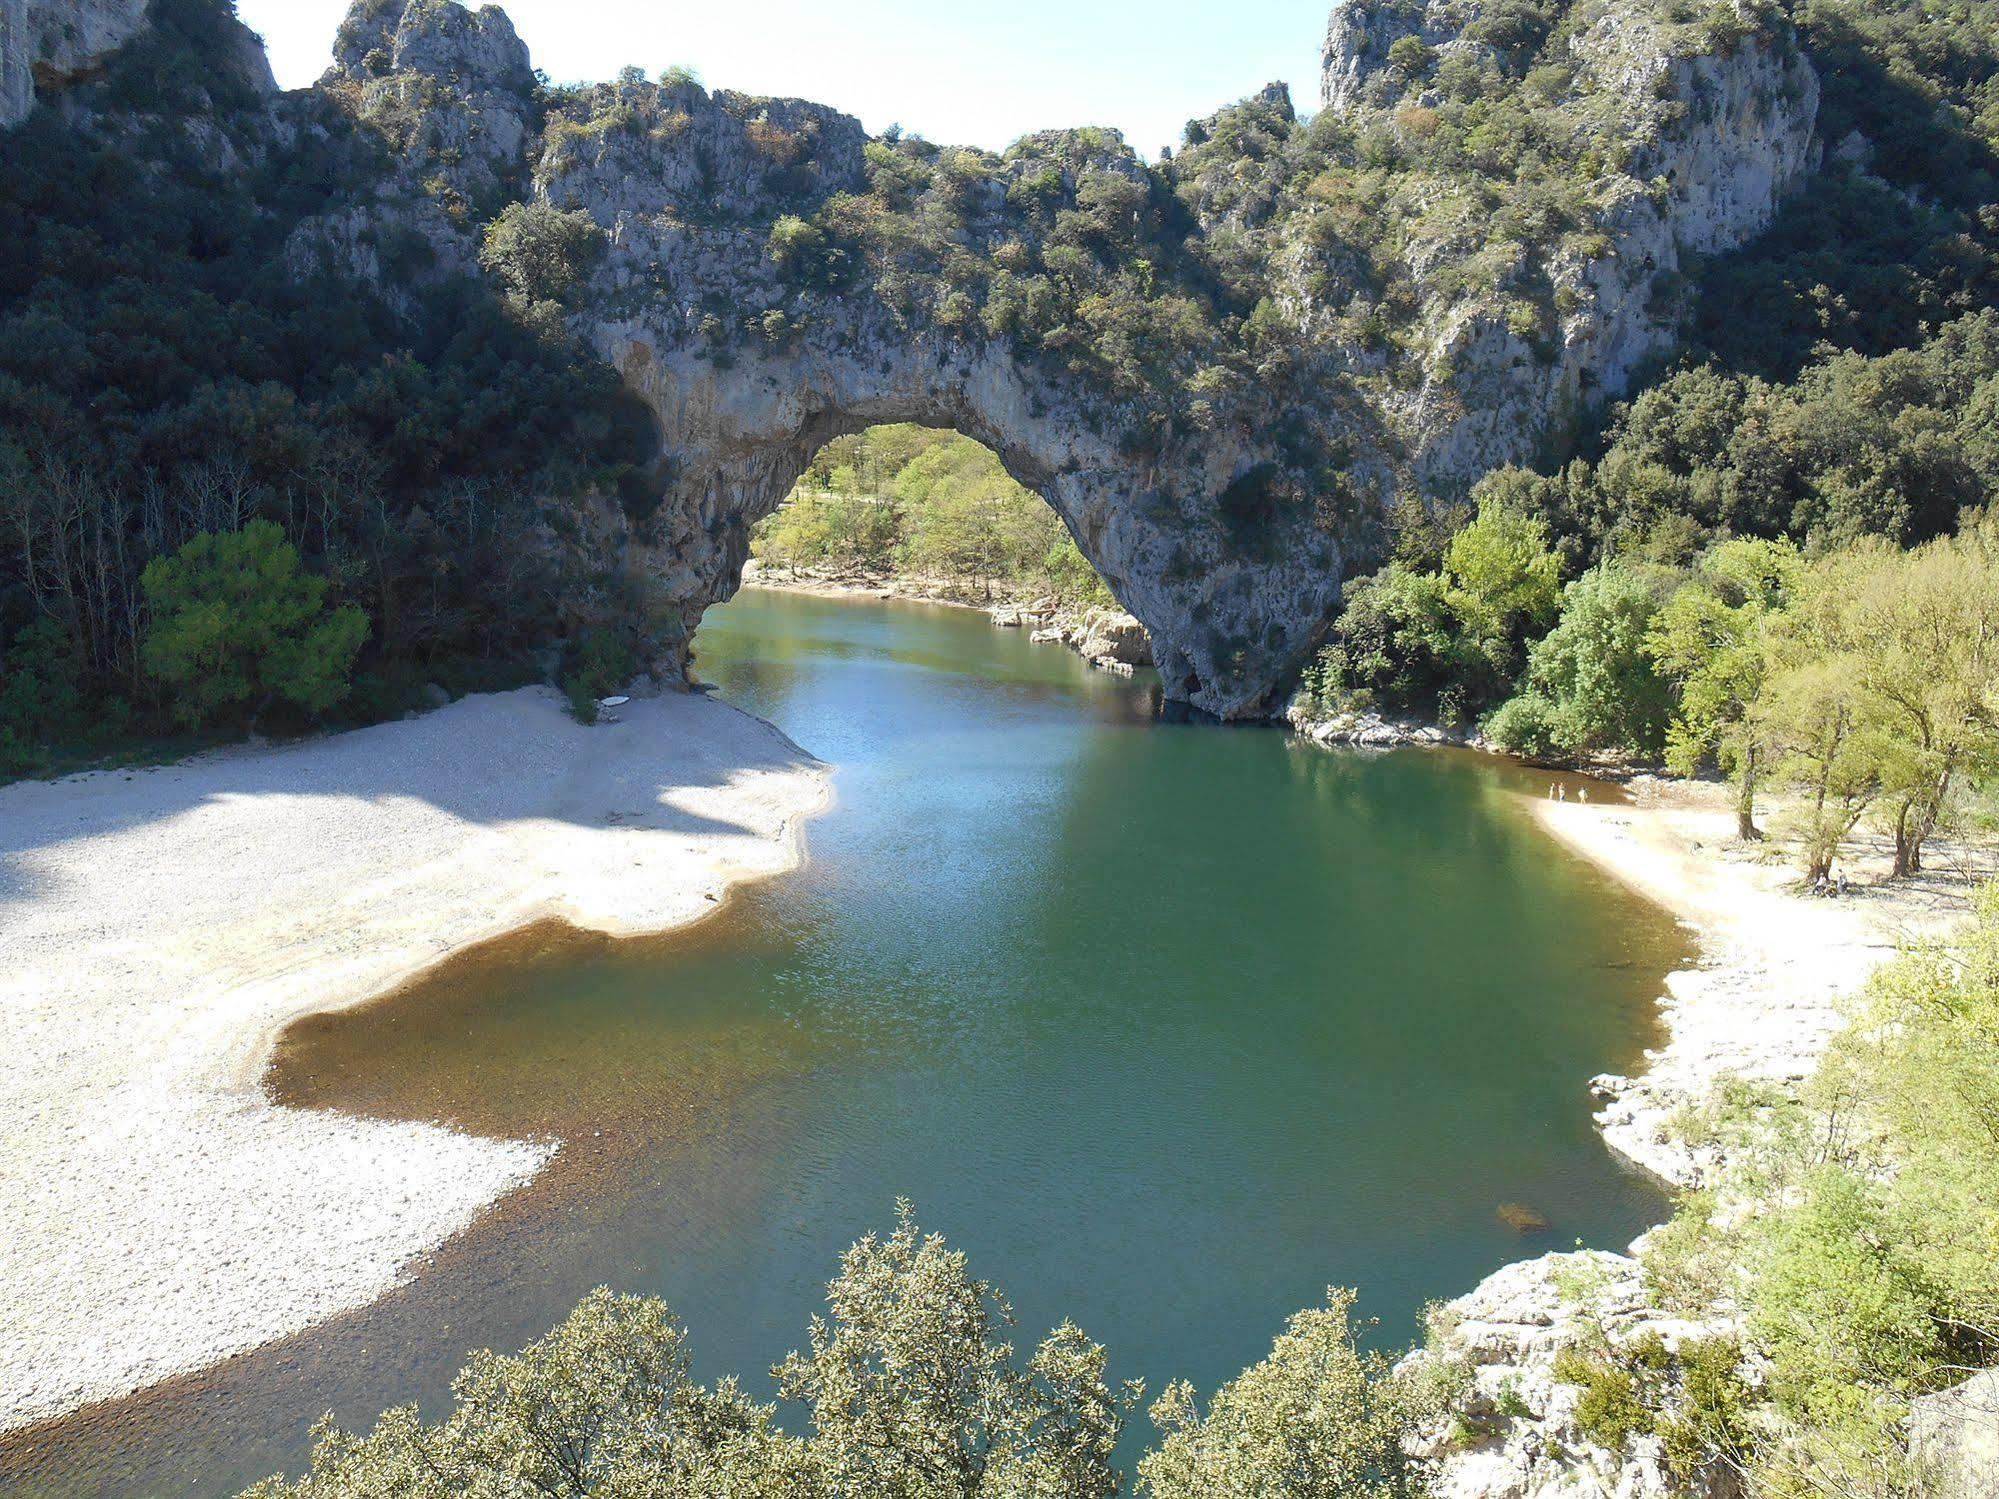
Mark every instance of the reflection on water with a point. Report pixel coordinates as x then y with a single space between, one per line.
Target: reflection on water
1169 1026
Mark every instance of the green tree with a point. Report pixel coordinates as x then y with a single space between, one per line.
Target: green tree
541 253
1706 639
1317 1419
1593 669
235 621
1397 646
39 698
913 1393
1925 633
602 1406
1504 585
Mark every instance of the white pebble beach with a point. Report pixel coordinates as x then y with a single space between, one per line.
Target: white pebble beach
159 929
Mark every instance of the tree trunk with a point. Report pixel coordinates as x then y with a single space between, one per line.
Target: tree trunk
1745 801
1908 851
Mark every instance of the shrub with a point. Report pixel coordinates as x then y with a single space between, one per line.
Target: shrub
1531 727
603 662
541 253
1610 1412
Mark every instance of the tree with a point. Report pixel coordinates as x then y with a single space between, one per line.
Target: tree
39 701
1706 640
1505 585
1593 668
235 621
1923 629
1397 646
1810 710
604 1405
541 253
910 1391
913 1394
1317 1419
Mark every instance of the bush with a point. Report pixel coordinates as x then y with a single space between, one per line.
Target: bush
602 663
1610 1412
1531 727
541 253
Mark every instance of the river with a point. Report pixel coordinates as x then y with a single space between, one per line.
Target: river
1169 1026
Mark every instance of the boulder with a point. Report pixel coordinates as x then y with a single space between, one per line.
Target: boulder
1954 1438
1107 633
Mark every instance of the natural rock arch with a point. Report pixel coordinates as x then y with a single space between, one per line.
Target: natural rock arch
1217 376
736 440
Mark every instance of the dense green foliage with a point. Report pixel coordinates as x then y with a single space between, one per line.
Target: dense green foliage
168 368
911 1393
934 505
1865 1275
1453 638
234 621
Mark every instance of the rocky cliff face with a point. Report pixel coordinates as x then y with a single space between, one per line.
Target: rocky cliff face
45 44
1220 371
1684 139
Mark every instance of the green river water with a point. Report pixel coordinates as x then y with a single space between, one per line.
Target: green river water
1169 1026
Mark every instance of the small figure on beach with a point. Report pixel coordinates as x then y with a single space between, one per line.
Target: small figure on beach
1582 793
1562 793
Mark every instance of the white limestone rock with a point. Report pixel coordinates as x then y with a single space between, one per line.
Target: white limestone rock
45 44
1954 1438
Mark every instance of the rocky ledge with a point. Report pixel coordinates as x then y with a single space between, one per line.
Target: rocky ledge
1514 1432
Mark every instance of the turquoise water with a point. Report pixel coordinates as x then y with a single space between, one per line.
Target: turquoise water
1169 1026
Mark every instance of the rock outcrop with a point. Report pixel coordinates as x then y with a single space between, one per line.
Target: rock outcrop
1689 136
1954 1438
46 44
1515 1432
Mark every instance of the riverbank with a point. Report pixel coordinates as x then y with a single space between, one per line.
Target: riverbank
915 590
1778 965
160 928
1107 638
1776 974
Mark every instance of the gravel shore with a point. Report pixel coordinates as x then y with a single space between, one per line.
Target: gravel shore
158 929
1776 972
1777 966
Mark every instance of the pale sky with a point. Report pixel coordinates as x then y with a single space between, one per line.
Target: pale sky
963 72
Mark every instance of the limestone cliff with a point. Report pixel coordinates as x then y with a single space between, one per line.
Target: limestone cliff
1216 375
1681 140
1221 370
47 43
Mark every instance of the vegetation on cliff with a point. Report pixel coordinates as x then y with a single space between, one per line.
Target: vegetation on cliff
169 373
